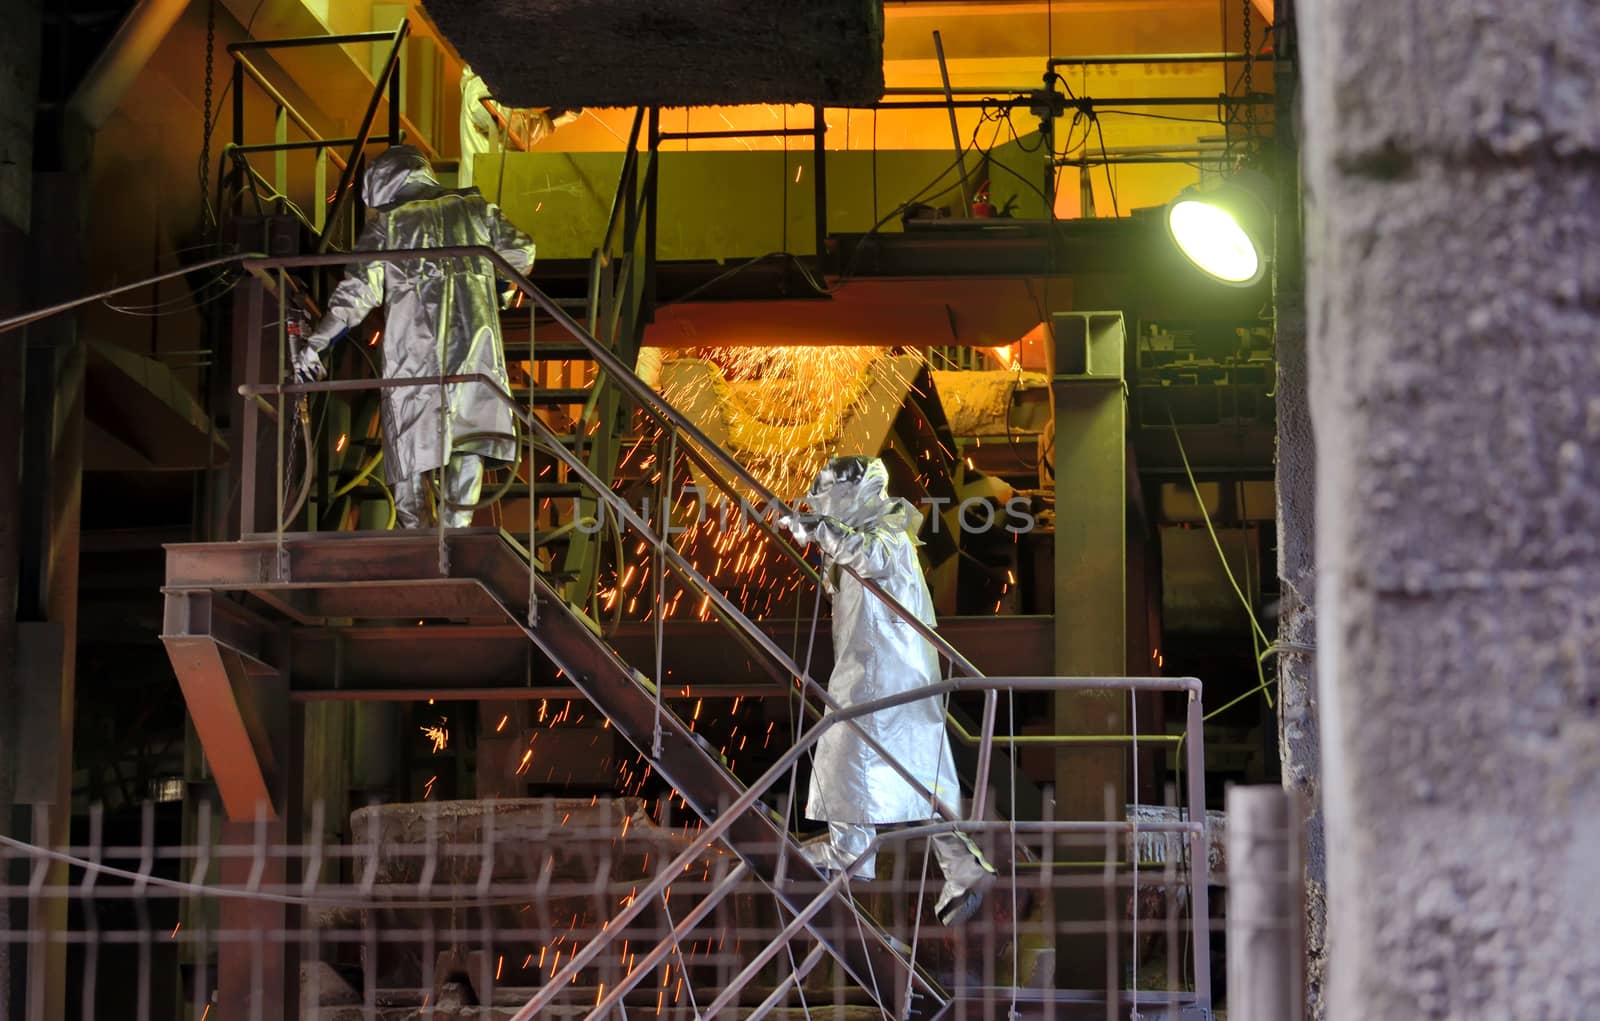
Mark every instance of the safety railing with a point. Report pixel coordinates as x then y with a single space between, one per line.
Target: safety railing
681 435
698 447
706 838
328 214
425 907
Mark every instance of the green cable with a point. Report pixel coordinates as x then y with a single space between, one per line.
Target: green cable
360 476
1258 637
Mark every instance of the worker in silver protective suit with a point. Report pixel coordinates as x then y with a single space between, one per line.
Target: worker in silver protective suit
487 127
440 318
858 525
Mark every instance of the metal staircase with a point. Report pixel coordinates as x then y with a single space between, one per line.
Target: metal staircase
315 578
235 609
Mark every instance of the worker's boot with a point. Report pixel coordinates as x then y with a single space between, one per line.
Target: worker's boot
845 842
967 877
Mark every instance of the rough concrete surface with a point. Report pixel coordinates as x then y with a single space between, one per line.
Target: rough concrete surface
681 53
1453 290
1299 718
19 87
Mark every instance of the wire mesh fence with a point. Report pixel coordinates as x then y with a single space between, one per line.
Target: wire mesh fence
510 909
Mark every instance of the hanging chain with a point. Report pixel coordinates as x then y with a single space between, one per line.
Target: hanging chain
207 215
1249 78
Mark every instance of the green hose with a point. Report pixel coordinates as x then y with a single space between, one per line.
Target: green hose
361 476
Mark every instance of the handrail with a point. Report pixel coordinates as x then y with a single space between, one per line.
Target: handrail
838 715
642 393
293 42
716 828
347 175
284 104
23 319
630 160
622 376
730 614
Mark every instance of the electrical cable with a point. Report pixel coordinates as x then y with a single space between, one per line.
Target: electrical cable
181 303
1258 637
517 439
361 475
699 289
1011 439
1105 157
848 270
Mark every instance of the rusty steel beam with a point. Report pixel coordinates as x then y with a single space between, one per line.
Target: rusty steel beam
219 653
241 775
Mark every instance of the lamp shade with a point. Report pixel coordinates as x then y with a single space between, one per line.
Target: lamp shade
1225 230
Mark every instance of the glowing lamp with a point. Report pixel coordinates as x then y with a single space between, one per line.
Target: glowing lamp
1225 230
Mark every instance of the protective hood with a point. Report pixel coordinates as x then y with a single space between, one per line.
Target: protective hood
854 490
399 174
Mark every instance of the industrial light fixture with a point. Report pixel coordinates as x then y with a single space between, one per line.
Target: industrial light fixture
1224 230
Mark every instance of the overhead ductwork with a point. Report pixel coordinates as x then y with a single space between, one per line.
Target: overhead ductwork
685 53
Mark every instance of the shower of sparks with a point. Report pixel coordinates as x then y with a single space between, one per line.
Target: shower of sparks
786 406
784 410
438 734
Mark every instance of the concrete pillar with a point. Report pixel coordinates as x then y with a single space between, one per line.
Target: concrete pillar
1452 211
19 85
1265 914
1299 737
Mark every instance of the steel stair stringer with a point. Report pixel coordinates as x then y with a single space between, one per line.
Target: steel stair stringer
615 689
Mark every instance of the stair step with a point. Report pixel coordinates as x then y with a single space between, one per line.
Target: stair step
693 767
547 350
549 490
571 305
551 395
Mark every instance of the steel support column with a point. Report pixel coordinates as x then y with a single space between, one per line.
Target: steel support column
258 978
1090 579
233 698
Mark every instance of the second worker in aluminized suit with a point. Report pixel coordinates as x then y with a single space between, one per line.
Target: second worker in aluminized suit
859 526
441 318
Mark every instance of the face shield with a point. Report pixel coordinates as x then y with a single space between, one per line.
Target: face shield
842 489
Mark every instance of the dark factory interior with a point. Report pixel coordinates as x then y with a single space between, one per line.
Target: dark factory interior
1008 508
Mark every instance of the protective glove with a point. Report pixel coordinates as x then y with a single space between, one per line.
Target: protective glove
801 526
308 367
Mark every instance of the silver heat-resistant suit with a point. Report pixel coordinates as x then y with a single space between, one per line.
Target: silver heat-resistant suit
857 525
441 318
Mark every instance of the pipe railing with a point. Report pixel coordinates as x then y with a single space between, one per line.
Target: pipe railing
325 220
715 830
836 715
703 451
728 614
653 403
388 80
